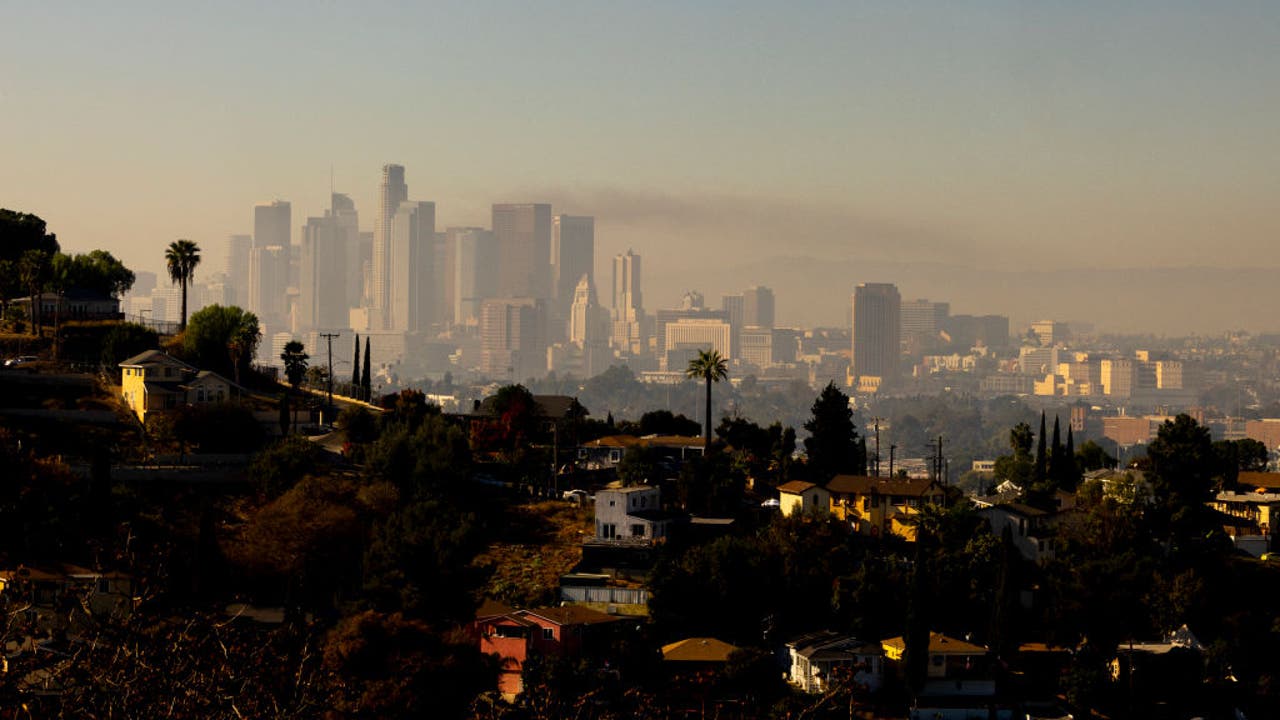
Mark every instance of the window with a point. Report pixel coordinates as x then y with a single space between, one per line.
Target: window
615 456
913 502
637 531
610 503
643 501
548 634
936 660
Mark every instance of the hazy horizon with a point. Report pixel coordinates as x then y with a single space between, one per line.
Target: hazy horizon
1081 161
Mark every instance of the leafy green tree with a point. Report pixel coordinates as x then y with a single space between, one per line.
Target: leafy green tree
419 561
1092 456
218 428
98 271
664 422
20 233
710 367
1017 468
125 340
1182 477
640 466
223 338
181 259
281 465
295 360
34 272
832 446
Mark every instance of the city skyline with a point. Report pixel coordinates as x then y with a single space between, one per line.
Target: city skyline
770 146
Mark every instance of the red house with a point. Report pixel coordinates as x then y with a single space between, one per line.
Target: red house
559 632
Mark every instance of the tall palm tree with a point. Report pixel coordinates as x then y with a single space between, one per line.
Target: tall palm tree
182 257
710 366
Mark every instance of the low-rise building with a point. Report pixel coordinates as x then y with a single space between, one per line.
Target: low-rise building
154 381
563 632
819 659
880 506
1032 529
632 514
802 498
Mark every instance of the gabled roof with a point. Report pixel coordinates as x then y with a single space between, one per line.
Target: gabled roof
795 487
863 485
626 441
698 649
570 615
829 645
939 644
1020 510
155 357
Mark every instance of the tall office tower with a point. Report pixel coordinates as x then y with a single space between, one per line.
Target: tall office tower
524 249
268 283
877 328
322 300
588 322
757 307
271 223
573 254
733 306
391 193
627 308
512 344
409 288
475 256
343 210
237 269
442 276
365 268
922 325
1119 377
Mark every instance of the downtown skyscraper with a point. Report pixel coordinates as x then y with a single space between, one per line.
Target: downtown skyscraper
523 233
573 254
877 348
391 193
627 307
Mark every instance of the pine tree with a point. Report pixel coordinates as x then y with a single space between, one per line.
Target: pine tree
1071 473
355 368
366 379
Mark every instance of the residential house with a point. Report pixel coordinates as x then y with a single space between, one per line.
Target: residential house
802 498
820 660
632 514
1032 529
1248 518
605 592
72 304
879 506
154 381
51 590
563 632
670 452
958 684
698 653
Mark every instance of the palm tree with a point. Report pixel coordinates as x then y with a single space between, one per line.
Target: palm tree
712 367
182 257
295 362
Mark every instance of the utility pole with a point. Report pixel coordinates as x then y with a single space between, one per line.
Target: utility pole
875 464
891 449
329 337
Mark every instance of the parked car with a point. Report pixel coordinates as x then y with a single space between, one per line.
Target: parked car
20 360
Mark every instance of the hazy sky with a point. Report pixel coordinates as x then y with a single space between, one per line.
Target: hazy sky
1008 135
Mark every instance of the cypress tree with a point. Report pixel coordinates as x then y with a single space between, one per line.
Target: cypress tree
1039 473
355 367
1056 464
1072 471
366 380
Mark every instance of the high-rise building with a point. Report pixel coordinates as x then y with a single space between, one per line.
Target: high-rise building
271 224
627 308
523 232
391 193
409 287
343 210
475 255
876 332
442 277
733 306
512 343
1119 377
237 269
922 324
322 286
757 307
573 254
685 336
588 322
269 278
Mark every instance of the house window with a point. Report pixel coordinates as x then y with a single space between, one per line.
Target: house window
168 372
936 660
897 500
643 501
913 502
582 453
615 456
548 634
610 503
637 531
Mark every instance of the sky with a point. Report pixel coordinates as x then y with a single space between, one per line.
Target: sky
949 147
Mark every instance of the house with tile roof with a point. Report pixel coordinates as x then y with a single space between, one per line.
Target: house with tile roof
881 506
802 498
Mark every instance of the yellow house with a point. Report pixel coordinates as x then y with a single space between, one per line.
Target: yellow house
948 657
881 506
799 498
154 381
